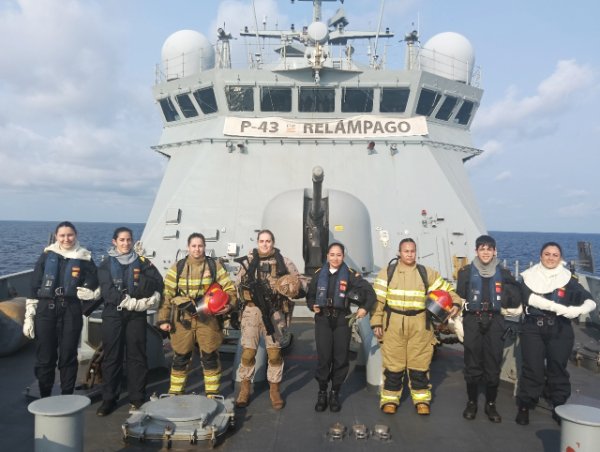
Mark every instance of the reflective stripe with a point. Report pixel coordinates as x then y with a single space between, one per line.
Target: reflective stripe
400 304
441 284
395 399
406 293
421 395
178 379
212 382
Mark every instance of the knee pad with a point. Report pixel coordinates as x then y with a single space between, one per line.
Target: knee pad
393 380
418 379
274 356
248 357
210 361
180 362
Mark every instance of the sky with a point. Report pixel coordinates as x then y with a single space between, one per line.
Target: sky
78 117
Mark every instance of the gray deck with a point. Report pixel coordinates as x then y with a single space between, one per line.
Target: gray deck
299 428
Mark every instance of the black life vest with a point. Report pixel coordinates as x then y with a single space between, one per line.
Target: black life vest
475 294
51 286
339 297
125 277
558 296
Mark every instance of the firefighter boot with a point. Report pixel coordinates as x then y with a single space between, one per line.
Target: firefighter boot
243 398
276 400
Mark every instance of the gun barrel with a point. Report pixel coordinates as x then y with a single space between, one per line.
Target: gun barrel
318 175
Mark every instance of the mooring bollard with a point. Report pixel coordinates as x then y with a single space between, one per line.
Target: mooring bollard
59 423
580 428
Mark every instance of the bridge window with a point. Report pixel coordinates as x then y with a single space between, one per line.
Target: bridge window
240 98
464 112
446 108
168 109
206 99
427 102
276 99
394 100
316 100
186 106
357 100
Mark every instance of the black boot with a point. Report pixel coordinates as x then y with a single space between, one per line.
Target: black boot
522 416
470 411
107 407
321 401
492 413
334 401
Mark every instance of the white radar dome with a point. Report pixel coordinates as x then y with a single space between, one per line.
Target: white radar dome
318 32
186 52
449 55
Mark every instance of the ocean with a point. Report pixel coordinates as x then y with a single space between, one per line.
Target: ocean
22 242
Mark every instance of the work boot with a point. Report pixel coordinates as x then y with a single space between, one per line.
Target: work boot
470 411
334 401
492 414
423 409
135 405
276 400
321 401
522 416
389 408
107 407
243 398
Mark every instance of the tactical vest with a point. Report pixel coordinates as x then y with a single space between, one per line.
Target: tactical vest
254 271
339 297
475 294
51 286
125 278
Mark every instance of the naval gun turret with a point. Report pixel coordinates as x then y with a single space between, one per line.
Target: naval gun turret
316 224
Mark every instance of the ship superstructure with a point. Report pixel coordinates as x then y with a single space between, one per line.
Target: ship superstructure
317 146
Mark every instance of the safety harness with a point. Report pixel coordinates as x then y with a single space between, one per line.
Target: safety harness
51 286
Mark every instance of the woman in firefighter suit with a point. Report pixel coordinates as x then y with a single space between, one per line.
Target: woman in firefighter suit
328 297
267 281
186 284
130 285
401 321
63 277
552 297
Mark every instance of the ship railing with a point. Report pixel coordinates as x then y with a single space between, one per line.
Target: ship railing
15 285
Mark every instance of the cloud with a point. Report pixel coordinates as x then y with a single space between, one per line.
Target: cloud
576 193
527 115
504 175
579 210
490 149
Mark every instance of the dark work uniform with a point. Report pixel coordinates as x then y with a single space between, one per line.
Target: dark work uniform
483 326
123 329
332 333
546 343
58 320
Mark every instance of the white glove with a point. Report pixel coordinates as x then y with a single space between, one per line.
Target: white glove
456 323
572 312
85 294
540 302
153 301
28 324
512 312
128 303
140 304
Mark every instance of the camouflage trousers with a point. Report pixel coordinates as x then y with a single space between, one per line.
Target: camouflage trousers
252 328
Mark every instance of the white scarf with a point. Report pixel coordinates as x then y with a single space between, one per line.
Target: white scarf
544 280
76 252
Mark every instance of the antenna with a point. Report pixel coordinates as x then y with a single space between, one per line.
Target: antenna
378 31
258 54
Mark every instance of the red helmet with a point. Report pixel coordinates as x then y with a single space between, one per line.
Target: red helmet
215 299
439 303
